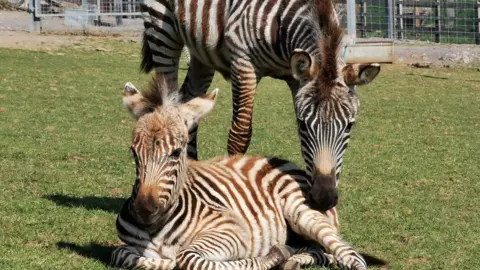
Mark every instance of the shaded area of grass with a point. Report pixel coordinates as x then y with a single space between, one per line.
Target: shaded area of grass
93 251
409 188
106 204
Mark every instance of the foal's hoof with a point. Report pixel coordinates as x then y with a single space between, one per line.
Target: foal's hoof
279 253
291 265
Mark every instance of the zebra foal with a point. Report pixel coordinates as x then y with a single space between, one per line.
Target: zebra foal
225 213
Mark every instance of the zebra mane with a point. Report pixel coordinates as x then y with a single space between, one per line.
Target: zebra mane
330 41
160 92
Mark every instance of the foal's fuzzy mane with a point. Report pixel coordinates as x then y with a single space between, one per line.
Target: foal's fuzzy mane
159 92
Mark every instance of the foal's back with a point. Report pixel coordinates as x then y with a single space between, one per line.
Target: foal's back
252 190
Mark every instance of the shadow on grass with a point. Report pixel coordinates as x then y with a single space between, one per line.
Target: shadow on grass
428 76
94 251
107 204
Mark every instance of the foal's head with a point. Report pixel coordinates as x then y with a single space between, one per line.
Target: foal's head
159 143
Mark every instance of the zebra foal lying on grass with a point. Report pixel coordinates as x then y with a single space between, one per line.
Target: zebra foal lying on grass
225 213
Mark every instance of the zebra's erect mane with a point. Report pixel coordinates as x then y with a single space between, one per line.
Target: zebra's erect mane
160 93
329 43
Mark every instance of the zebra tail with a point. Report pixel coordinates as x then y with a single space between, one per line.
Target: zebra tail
372 260
147 57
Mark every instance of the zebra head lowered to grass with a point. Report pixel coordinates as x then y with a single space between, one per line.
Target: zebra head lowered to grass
326 105
297 41
226 213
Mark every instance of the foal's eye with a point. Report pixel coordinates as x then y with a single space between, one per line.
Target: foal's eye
349 126
176 153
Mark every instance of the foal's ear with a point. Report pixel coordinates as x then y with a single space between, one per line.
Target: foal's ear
302 65
197 108
133 101
360 74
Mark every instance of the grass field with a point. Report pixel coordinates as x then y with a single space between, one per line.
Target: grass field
409 190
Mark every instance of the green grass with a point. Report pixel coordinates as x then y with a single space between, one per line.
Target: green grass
409 190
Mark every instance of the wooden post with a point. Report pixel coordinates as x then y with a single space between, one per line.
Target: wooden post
363 19
400 34
477 30
438 26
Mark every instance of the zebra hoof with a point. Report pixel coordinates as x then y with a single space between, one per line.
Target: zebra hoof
279 253
291 265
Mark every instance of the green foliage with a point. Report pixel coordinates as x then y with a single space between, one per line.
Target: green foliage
409 190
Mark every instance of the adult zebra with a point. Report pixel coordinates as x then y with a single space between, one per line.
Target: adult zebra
294 40
227 213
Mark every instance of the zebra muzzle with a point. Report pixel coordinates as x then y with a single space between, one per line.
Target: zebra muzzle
146 205
324 193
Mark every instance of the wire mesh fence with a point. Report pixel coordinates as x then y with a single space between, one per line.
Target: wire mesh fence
87 15
442 21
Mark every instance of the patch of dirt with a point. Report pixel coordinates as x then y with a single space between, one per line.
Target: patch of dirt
49 42
37 42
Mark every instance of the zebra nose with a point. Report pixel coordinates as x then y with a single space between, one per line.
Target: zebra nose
324 193
146 204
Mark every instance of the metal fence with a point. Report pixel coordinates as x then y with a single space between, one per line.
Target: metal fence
442 21
84 14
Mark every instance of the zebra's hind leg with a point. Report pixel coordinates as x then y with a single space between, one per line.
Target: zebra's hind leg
130 257
196 83
194 258
220 249
309 256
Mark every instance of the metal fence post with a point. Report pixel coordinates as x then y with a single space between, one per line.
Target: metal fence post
400 34
438 25
118 9
363 19
477 24
390 18
36 21
351 19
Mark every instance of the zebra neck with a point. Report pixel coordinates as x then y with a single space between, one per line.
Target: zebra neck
299 31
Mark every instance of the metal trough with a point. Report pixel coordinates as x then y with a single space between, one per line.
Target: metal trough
370 52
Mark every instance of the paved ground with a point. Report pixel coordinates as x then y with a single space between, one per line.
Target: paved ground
14 27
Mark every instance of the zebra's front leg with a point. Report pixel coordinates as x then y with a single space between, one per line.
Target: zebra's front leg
196 83
206 253
244 81
317 226
130 257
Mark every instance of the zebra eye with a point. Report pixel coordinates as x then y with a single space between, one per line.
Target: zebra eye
349 126
175 154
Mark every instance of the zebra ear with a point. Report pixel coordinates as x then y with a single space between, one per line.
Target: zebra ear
302 65
133 100
197 108
360 74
